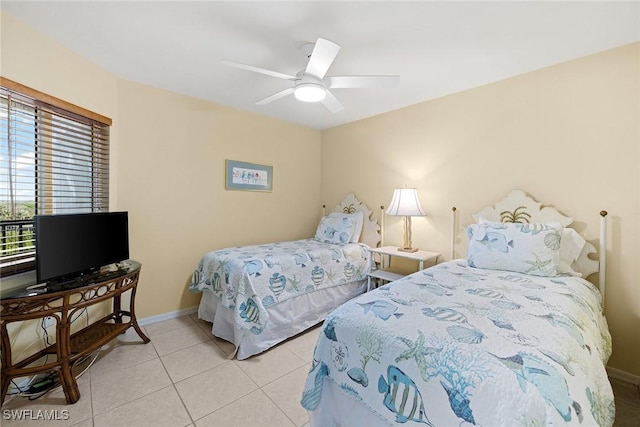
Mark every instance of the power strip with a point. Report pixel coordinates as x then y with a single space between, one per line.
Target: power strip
42 385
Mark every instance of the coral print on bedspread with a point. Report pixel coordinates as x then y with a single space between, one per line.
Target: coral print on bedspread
248 279
454 345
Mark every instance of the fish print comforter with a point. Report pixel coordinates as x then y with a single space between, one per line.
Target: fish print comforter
248 279
454 345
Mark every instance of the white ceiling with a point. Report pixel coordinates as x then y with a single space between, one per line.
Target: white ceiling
437 48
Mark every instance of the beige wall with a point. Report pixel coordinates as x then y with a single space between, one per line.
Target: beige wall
36 61
568 135
170 178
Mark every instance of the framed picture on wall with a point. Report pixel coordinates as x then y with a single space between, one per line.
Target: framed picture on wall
248 176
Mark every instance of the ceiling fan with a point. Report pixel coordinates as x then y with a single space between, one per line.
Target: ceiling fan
312 84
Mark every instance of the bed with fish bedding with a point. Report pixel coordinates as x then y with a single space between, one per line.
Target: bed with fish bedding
257 296
507 336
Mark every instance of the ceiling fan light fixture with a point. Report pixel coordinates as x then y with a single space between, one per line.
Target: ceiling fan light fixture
310 92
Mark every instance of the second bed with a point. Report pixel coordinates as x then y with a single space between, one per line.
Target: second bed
257 296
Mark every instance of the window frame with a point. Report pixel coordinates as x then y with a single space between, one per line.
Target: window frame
45 107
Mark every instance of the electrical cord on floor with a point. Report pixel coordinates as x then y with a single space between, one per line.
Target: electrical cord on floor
56 380
22 388
19 389
42 387
39 385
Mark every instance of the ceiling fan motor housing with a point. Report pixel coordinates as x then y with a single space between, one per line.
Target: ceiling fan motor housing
310 92
309 88
311 84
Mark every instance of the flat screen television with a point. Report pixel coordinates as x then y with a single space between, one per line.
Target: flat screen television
71 245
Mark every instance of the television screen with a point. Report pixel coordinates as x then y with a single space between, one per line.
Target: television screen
71 244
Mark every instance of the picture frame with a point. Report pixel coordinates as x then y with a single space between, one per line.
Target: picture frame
246 176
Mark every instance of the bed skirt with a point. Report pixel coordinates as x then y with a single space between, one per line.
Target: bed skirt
307 309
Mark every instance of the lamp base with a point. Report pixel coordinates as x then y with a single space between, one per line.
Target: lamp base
408 249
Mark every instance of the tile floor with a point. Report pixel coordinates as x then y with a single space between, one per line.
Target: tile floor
627 397
183 378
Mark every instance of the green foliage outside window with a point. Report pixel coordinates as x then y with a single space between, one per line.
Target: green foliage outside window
26 210
12 238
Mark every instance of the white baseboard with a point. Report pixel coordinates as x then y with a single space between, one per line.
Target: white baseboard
623 376
166 316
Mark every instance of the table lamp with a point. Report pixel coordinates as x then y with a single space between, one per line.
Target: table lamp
405 203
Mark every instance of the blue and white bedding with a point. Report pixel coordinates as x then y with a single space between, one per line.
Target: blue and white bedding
249 279
454 345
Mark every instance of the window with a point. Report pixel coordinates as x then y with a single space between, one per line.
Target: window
54 159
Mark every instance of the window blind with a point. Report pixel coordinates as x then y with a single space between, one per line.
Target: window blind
52 161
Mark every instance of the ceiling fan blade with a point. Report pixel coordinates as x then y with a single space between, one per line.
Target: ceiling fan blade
275 96
324 52
332 103
258 70
363 81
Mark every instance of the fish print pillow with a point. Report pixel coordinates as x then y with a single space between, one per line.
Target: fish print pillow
336 230
358 217
571 246
524 248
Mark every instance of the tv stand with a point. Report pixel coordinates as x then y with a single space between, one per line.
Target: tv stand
62 304
85 279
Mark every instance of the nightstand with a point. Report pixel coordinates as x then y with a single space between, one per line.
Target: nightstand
386 252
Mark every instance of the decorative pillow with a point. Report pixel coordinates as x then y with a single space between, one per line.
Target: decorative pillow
571 245
335 230
524 248
359 219
570 249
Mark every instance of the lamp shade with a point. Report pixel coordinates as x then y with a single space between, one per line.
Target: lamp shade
405 202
